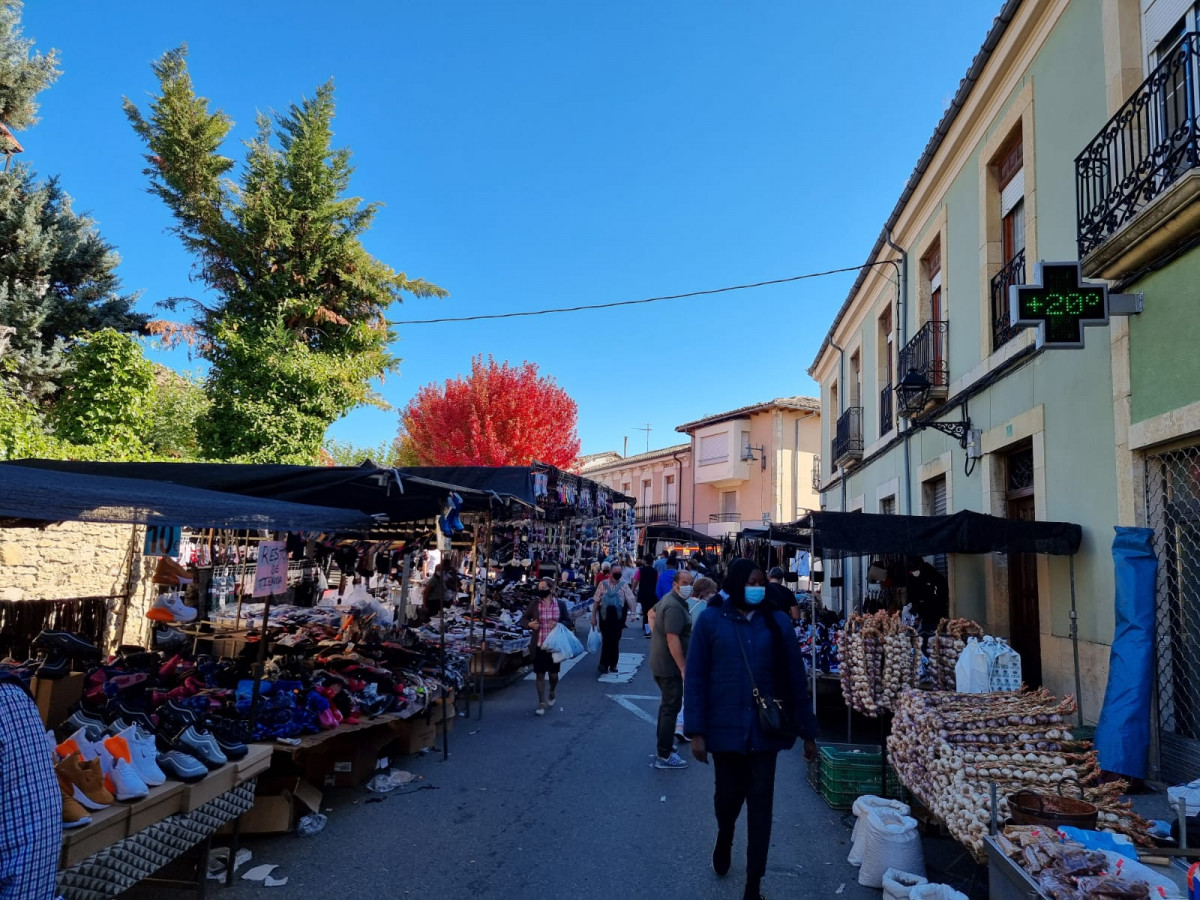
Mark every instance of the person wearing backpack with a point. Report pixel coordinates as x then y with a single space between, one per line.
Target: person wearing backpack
542 615
612 604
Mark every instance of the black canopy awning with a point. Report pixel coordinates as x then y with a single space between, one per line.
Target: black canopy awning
679 533
863 534
778 534
53 495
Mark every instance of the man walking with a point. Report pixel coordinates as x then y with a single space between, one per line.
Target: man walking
646 582
672 630
780 597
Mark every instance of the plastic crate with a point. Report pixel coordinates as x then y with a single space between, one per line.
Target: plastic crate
842 773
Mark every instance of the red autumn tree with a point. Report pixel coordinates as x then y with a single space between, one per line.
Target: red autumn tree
499 415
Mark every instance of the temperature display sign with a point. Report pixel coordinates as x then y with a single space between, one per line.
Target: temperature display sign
1059 304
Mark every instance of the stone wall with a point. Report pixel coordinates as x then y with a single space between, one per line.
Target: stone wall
67 560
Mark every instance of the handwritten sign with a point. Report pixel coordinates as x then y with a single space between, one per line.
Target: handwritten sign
163 540
270 576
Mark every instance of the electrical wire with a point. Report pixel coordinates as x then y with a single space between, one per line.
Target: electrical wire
612 305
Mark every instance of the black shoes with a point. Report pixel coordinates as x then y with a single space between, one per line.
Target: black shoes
69 644
722 856
56 665
752 891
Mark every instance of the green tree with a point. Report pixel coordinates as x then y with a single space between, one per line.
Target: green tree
106 393
57 278
298 331
23 73
175 407
347 453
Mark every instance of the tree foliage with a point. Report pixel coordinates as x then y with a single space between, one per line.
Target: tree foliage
106 392
298 331
499 415
175 407
23 73
347 453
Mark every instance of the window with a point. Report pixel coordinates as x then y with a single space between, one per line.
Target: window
1010 177
728 503
855 379
714 448
669 489
745 445
933 272
885 370
625 489
887 506
647 491
935 503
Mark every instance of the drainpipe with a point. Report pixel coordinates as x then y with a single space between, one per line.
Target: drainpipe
841 409
693 441
902 316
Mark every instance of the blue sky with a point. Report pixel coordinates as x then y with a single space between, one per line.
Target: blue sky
538 154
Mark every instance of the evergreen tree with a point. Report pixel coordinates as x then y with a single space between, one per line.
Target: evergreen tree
23 74
298 330
57 278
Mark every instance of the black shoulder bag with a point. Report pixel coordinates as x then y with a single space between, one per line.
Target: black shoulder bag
775 717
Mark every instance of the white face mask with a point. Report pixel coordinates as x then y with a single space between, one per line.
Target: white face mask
685 591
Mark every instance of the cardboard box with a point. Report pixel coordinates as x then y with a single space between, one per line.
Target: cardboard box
413 736
279 807
107 827
56 696
164 800
257 761
217 782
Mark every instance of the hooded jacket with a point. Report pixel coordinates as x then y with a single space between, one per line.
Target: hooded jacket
718 692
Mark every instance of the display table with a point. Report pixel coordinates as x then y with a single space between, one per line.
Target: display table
126 843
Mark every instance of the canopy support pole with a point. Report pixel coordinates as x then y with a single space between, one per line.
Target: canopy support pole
1075 642
405 581
487 564
812 615
442 628
261 664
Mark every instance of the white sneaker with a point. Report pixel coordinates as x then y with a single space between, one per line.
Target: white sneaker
174 604
144 754
127 784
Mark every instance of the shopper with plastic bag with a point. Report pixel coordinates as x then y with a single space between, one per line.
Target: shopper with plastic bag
540 618
611 606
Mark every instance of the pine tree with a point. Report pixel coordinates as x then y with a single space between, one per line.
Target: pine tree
23 74
299 329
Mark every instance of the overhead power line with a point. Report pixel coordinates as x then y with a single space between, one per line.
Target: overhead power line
570 309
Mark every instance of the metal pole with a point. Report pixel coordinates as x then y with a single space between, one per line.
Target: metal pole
1075 642
472 599
812 611
442 618
260 665
405 578
487 555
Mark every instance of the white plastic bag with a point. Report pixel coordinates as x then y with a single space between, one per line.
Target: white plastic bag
562 644
892 842
595 641
1005 669
898 885
972 672
936 892
862 806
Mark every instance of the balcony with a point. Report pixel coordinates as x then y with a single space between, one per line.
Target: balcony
886 414
657 514
848 445
1013 272
725 517
1142 171
926 355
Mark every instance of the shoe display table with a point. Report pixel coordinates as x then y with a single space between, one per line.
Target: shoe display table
128 842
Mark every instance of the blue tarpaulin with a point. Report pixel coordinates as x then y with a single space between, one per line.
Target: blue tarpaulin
1123 735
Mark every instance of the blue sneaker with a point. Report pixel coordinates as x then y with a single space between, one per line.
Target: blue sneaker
674 761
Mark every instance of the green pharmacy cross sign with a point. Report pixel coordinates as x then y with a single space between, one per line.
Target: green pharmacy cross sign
1060 305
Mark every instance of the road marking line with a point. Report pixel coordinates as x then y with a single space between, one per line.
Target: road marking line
626 701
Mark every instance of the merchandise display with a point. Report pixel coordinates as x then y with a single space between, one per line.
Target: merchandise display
948 748
880 657
942 650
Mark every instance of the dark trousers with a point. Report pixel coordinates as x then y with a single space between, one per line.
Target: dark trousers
668 711
747 778
611 627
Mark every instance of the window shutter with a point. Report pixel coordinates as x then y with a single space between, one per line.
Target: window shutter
1013 193
1158 18
714 448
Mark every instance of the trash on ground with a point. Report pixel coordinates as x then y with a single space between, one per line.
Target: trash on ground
259 873
396 778
311 824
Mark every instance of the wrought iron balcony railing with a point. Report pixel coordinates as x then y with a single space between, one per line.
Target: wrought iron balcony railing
725 517
886 416
1013 272
1151 141
927 354
817 481
848 445
657 514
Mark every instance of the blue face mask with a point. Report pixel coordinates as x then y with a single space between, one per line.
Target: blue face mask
755 594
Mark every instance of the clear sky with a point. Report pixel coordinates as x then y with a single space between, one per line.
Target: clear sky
538 154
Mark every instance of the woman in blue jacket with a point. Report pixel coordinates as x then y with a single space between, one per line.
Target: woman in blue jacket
720 716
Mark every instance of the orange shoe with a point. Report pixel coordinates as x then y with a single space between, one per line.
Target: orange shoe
87 781
73 813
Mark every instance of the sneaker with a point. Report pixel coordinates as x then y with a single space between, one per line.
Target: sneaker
82 741
722 855
143 755
125 783
133 716
674 761
73 813
541 710
87 781
182 766
550 702
201 745
230 737
174 604
71 644
81 718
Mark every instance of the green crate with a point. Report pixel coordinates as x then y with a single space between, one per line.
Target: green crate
842 773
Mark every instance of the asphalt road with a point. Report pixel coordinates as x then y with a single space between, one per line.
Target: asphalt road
566 805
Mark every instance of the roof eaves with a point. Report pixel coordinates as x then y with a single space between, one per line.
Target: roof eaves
999 26
798 402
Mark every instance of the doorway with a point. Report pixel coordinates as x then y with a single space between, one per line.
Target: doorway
1023 610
